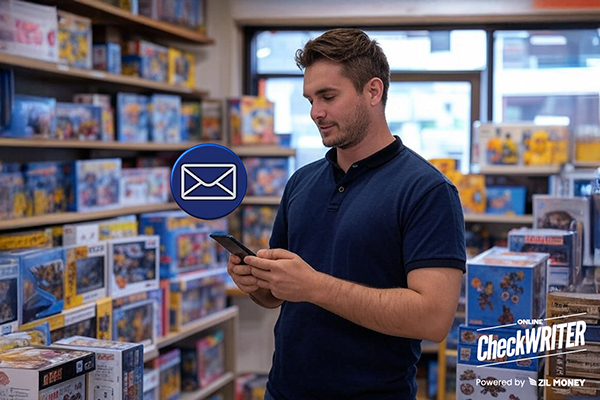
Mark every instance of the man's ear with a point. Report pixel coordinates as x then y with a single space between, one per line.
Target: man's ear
374 88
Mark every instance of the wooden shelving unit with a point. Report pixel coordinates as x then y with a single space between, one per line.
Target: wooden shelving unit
541 170
92 145
499 218
263 151
586 164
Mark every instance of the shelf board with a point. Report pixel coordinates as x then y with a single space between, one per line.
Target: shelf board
499 218
263 151
104 13
262 200
586 164
199 326
209 389
541 170
62 70
70 217
95 145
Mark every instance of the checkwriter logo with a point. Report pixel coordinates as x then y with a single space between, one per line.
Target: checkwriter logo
208 181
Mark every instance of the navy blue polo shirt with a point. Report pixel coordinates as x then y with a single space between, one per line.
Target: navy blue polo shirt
389 214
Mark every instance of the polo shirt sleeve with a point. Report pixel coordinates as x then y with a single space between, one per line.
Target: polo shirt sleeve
434 232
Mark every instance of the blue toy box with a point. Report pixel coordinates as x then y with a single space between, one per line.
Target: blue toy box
505 200
43 187
146 60
505 286
97 184
10 296
165 111
13 197
107 57
78 121
133 118
267 176
33 117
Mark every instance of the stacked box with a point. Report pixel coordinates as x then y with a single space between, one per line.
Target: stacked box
194 296
135 320
37 336
267 176
571 307
133 265
92 232
119 367
586 390
13 197
85 274
211 112
251 121
204 363
74 40
97 184
564 264
32 117
505 200
505 286
10 298
103 101
107 57
45 373
472 192
181 68
168 365
75 321
39 238
78 121
566 213
165 116
145 186
191 119
133 120
42 184
146 60
257 224
151 389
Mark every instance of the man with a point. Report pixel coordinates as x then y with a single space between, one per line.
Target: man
367 250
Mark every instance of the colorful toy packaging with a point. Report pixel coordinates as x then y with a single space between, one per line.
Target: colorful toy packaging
257 223
78 121
191 119
212 120
92 232
80 320
168 365
251 121
74 40
165 116
97 184
267 176
107 57
505 286
146 60
505 200
204 363
133 121
472 192
119 367
135 321
45 373
145 185
44 193
103 101
151 384
85 274
10 298
133 265
181 68
13 196
39 238
33 117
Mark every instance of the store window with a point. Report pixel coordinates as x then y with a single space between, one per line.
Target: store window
432 116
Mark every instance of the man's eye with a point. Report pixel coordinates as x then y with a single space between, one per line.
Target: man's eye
328 98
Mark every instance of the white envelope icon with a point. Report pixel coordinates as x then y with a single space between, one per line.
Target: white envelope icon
217 189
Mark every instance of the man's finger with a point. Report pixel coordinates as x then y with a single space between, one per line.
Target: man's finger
275 254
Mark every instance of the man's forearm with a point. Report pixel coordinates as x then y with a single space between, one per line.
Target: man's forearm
264 298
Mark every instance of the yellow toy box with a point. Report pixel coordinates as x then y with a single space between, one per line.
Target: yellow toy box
181 68
251 121
74 40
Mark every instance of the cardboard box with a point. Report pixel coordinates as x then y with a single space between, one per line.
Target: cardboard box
10 298
74 40
107 57
133 265
97 184
96 231
85 274
168 365
251 121
586 390
135 321
499 383
508 200
151 379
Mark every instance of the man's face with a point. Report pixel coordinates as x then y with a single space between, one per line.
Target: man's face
341 114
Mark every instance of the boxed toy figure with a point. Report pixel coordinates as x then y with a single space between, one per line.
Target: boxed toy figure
135 322
103 101
562 246
266 175
13 198
181 68
85 274
472 192
133 123
505 200
133 265
187 250
505 286
211 358
190 123
42 185
92 232
151 384
567 213
212 120
107 57
35 31
10 298
165 115
257 223
44 373
145 185
33 117
168 365
146 60
251 121
75 321
97 184
119 367
74 40
78 121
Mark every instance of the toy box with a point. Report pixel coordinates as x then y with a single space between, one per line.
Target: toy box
562 246
181 68
44 373
74 40
92 232
196 295
107 57
571 184
42 185
467 354
211 358
103 101
251 121
78 121
119 367
486 383
505 286
472 192
257 224
35 31
571 307
151 389
155 296
567 213
589 389
211 112
135 322
39 238
168 365
37 336
32 117
10 298
133 120
97 184
576 364
13 198
85 274
165 116
267 176
146 60
133 265
595 199
187 250
76 321
505 200
191 119
145 185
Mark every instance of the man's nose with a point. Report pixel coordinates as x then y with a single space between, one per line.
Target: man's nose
317 112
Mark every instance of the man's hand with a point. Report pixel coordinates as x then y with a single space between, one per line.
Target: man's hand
241 275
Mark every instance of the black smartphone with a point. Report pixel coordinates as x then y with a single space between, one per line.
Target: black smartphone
232 245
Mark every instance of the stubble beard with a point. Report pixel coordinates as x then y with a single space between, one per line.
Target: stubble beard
355 131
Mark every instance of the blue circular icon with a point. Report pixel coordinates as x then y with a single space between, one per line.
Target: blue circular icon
208 181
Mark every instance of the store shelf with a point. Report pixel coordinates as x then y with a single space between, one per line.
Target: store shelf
586 164
541 170
103 13
262 200
499 218
122 81
263 151
93 145
70 217
213 387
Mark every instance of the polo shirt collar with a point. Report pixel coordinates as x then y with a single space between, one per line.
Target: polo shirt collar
374 160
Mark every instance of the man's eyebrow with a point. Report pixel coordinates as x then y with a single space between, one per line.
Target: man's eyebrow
321 91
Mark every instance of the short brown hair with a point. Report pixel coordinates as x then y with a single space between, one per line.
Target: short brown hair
361 57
